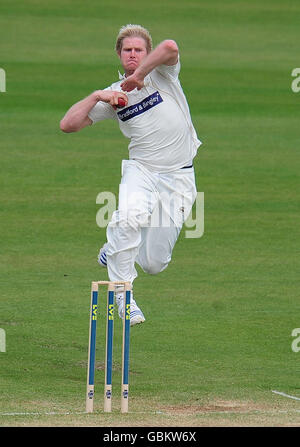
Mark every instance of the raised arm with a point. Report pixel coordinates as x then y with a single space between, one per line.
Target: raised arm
77 117
166 53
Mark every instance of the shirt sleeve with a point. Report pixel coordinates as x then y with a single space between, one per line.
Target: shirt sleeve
170 72
102 111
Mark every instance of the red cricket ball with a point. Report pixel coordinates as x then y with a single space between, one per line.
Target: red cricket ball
121 102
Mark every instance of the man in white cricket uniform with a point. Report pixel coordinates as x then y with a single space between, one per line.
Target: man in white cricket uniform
157 187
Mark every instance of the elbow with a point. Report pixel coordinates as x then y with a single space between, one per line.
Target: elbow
171 47
171 51
66 127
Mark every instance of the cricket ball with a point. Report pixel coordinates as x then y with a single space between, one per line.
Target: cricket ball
121 102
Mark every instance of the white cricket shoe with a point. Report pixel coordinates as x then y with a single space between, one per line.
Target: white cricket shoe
102 261
136 315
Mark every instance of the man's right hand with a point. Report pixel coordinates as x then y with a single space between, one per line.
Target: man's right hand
77 117
111 97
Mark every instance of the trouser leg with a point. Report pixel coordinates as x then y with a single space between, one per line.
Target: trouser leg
177 192
146 226
136 201
156 248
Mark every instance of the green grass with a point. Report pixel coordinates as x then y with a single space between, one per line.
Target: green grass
219 319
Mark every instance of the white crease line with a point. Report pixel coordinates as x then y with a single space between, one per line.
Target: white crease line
285 395
54 413
50 413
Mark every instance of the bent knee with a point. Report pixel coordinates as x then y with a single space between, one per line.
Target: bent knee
154 267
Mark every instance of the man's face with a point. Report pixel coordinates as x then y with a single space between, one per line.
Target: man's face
132 53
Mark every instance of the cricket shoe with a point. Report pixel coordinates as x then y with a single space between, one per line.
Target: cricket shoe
136 315
102 261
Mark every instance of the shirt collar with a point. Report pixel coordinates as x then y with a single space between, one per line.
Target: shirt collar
121 76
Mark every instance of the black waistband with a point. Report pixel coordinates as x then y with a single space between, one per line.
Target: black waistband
185 167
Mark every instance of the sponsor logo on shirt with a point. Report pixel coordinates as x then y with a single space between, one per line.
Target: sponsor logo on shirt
140 107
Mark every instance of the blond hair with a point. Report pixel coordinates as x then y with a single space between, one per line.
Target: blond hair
133 31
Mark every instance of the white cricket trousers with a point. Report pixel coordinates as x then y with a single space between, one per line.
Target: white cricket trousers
151 211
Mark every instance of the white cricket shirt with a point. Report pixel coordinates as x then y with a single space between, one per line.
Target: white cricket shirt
156 120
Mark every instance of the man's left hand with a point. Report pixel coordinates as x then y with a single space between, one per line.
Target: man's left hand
131 83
